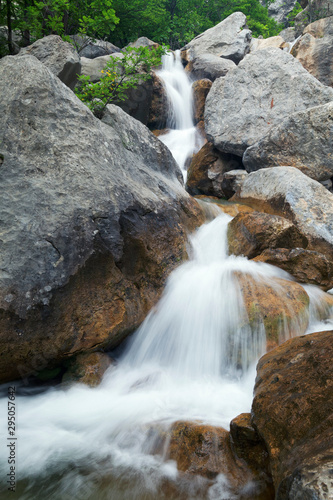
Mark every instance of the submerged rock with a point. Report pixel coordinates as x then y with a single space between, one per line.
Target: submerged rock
286 191
93 218
87 369
251 234
293 413
266 87
303 140
58 56
229 39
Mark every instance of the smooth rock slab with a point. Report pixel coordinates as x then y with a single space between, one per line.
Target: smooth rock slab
286 191
60 57
266 87
303 140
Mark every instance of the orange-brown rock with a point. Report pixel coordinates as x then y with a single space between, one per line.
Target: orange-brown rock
248 445
228 207
87 368
315 50
277 305
205 450
159 107
200 91
293 413
307 266
205 173
251 234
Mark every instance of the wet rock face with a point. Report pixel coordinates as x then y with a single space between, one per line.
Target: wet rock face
200 90
244 105
286 191
228 39
277 305
87 369
95 217
206 171
60 57
159 108
293 413
307 266
315 50
303 140
251 234
207 451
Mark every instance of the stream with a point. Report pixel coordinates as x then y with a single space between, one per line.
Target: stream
193 358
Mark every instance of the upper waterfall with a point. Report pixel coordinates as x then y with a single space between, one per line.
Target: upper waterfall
183 139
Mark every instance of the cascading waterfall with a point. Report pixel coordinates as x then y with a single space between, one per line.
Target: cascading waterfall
192 359
183 139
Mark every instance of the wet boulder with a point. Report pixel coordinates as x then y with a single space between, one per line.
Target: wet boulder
251 234
87 369
58 56
276 310
266 87
293 413
229 39
306 266
303 140
206 171
159 107
287 192
94 216
200 90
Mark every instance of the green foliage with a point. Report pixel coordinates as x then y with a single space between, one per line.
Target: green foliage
118 77
291 16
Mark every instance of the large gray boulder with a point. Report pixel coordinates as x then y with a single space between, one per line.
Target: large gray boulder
286 191
209 66
315 50
94 67
267 86
279 10
229 39
93 218
303 140
60 57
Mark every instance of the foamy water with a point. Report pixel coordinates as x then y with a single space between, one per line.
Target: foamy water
182 364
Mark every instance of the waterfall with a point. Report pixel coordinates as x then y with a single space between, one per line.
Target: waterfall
193 358
183 139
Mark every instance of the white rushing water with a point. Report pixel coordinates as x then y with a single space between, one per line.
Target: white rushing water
192 359
183 139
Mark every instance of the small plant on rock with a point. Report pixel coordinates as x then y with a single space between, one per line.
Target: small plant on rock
119 75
